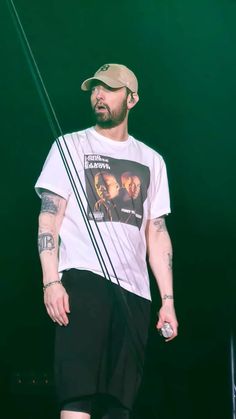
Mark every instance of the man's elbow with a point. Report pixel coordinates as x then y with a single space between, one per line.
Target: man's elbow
46 221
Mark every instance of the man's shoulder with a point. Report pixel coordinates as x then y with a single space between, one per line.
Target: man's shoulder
74 135
145 148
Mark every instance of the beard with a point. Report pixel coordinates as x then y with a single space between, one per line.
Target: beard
110 118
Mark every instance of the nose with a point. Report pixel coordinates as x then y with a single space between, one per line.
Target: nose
99 92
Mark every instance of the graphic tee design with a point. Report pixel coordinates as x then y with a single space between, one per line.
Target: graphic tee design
116 189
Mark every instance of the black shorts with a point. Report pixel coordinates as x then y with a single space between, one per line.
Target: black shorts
101 350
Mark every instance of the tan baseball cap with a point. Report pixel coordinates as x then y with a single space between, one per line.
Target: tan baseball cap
114 75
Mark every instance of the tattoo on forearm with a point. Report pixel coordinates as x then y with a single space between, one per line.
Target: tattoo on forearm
49 203
45 242
170 261
160 224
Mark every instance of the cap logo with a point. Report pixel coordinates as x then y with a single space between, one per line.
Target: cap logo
104 68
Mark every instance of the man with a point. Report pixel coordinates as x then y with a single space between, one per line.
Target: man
107 189
131 183
98 291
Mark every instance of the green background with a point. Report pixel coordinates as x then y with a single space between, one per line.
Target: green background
184 55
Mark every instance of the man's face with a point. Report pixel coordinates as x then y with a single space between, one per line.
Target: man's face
106 186
132 184
109 105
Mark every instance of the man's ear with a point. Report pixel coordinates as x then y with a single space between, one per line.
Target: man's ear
132 99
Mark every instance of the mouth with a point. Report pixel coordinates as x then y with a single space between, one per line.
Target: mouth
100 108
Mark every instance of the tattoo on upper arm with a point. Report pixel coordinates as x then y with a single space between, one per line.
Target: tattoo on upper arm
45 242
49 203
160 224
170 261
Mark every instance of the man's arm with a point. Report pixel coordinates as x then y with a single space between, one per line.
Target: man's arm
50 219
160 258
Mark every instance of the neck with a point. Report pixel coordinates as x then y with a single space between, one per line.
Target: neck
118 133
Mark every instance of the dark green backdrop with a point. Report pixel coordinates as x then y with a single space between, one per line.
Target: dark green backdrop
184 55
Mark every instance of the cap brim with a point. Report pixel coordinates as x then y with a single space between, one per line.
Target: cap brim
87 84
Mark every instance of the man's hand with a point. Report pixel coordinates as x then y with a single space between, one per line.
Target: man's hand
167 314
56 301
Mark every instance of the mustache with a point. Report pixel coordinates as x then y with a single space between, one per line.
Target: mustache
101 105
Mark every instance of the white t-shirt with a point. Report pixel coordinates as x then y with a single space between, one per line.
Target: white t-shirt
125 184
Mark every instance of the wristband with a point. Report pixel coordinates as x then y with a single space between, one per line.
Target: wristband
51 283
167 297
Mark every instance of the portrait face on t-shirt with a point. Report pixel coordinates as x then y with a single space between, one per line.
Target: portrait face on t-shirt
132 183
116 189
106 185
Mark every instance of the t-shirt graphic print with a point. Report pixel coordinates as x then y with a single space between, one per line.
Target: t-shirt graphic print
116 189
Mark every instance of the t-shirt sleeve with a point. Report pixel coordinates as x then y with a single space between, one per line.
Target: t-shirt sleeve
159 198
53 176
